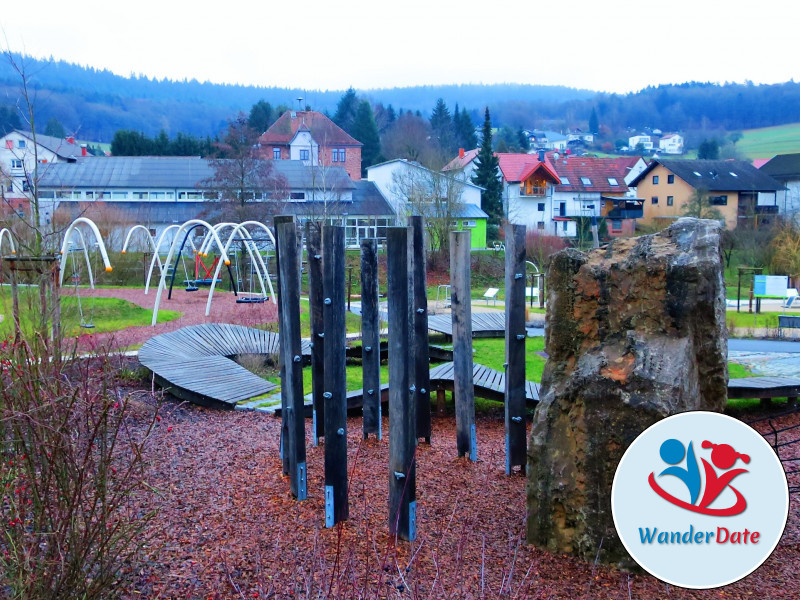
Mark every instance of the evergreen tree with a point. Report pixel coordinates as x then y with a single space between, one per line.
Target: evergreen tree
466 131
9 119
709 149
523 143
442 128
594 123
486 176
54 128
261 116
365 130
346 110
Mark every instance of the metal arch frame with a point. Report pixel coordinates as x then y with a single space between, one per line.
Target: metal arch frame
152 241
255 256
180 251
162 279
98 237
157 257
5 233
85 256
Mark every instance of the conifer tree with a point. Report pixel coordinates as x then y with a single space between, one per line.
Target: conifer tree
594 123
486 176
365 130
345 115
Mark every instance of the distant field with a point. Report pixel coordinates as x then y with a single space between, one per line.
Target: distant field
769 141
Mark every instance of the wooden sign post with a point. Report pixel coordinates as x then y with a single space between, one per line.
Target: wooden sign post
335 394
420 348
515 348
370 338
402 425
293 440
461 303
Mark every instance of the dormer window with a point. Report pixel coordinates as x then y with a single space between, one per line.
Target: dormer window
612 181
304 154
564 180
586 181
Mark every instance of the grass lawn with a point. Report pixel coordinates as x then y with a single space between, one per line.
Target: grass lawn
107 314
769 141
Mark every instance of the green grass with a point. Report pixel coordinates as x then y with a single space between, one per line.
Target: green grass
769 141
107 314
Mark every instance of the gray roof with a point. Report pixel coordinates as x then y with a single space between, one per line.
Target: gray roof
143 212
59 146
172 172
367 201
460 211
716 175
783 167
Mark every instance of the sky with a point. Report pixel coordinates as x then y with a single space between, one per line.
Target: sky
612 45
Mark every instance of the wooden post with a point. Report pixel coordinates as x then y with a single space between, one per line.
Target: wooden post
420 348
370 338
293 421
402 434
515 348
461 303
315 268
336 503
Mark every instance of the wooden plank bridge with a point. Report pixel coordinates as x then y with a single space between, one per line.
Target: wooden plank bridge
484 324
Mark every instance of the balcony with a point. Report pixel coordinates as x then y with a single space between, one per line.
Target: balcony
533 191
632 208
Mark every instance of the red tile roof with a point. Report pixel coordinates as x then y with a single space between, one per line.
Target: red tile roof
459 162
324 131
596 170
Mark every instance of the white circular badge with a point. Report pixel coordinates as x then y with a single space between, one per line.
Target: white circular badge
700 500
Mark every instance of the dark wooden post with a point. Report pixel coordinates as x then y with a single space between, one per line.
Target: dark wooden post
515 348
294 433
420 349
370 338
336 504
315 265
461 303
402 434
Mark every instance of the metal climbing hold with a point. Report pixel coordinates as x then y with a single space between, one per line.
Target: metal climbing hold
518 276
297 358
370 392
399 475
516 419
520 336
368 349
340 431
421 311
318 256
327 395
327 300
322 335
413 388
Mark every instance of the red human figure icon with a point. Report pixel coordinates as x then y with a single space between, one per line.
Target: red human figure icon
724 457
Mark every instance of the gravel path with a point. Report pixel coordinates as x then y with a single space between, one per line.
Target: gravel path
191 304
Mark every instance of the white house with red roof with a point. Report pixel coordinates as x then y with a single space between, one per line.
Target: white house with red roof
311 137
672 143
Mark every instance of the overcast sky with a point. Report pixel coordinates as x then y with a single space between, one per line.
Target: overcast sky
616 45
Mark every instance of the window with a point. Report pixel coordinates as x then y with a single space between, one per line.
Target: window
469 223
718 200
16 163
540 206
670 200
119 195
337 155
540 225
655 179
190 195
90 195
586 181
20 143
156 195
563 225
297 196
10 186
303 154
564 180
341 155
276 153
616 225
26 186
612 181
140 195
670 178
654 200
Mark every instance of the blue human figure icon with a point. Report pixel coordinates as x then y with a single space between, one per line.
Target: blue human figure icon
672 453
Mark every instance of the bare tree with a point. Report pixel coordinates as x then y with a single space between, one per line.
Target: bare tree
432 194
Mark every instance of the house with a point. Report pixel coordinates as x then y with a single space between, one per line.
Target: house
785 168
22 161
311 137
742 194
593 189
158 191
411 188
548 140
578 135
672 143
645 140
528 189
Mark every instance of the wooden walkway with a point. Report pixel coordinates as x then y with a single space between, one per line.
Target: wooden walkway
484 324
488 383
194 363
765 388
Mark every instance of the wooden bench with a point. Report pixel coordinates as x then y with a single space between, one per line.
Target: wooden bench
765 388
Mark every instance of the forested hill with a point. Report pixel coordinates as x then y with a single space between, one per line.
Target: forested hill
96 103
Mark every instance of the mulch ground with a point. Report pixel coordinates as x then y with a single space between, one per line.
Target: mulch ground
228 527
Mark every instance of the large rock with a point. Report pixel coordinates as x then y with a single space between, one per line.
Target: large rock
636 332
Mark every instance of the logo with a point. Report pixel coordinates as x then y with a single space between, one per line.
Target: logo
700 500
723 457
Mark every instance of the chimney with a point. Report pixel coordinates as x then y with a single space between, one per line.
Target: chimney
460 153
70 140
83 149
541 155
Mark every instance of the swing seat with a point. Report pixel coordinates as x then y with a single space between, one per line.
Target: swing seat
250 300
87 325
192 288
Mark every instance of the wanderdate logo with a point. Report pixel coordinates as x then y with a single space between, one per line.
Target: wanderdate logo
700 500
